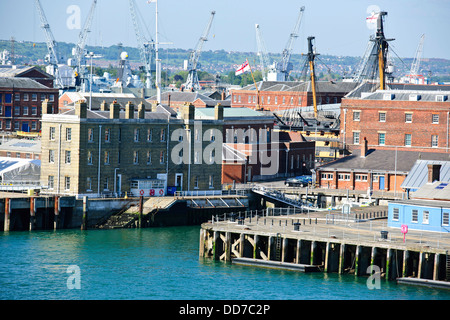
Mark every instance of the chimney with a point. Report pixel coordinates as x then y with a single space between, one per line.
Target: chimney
364 148
218 112
141 111
155 107
46 107
81 109
114 110
434 171
188 111
129 110
103 106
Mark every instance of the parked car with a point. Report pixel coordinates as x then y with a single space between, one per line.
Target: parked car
299 181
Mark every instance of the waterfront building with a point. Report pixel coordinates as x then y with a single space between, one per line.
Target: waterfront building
371 169
420 173
21 104
429 206
104 152
21 148
416 120
28 72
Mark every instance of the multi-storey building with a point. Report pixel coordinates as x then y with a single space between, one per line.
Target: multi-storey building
397 119
21 104
107 151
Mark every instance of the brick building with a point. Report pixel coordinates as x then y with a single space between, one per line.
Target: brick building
377 169
276 96
403 119
21 104
87 152
177 99
28 72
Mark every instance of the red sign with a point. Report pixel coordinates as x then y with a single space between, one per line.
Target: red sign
404 230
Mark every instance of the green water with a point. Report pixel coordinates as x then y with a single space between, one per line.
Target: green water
162 264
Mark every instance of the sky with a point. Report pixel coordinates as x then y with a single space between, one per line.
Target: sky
338 26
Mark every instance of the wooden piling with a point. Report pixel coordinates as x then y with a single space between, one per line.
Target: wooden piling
56 211
7 222
141 209
85 213
32 213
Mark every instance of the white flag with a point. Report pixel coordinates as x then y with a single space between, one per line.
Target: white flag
243 68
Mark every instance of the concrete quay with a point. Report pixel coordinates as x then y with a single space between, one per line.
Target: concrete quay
332 245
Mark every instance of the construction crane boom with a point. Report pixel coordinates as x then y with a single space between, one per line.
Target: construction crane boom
262 53
192 82
416 63
79 50
285 66
145 46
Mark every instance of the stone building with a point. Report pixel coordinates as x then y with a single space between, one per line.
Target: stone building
103 152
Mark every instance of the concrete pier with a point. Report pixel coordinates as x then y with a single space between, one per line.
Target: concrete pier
353 247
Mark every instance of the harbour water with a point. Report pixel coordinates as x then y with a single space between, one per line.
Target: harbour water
162 264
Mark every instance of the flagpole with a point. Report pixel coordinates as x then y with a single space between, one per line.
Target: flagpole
158 61
256 87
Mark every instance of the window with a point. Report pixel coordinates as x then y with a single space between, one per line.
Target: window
445 218
276 100
345 177
8 124
51 156
68 157
34 97
90 160
90 135
149 157
196 182
381 139
408 117
107 157
136 135
106 185
356 115
163 135
88 184
17 111
25 97
326 176
361 177
161 157
34 111
33 125
197 157
17 97
25 111
425 217
414 215
136 157
395 214
211 181
66 183
68 134
408 140
51 97
51 182
16 125
434 140
52 133
355 137
42 96
107 135
382 117
435 118
149 135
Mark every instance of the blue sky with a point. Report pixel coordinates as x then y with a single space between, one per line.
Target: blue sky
339 26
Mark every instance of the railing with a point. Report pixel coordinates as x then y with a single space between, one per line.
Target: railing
19 185
337 218
206 193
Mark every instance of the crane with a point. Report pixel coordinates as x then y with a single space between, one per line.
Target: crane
52 56
79 51
192 82
285 66
262 53
146 48
416 63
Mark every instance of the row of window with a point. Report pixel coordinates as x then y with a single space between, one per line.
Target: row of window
434 143
408 117
18 111
26 97
18 125
107 183
415 216
343 176
252 99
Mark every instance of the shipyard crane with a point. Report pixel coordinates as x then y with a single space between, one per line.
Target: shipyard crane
146 47
262 53
416 63
79 51
52 56
285 66
192 82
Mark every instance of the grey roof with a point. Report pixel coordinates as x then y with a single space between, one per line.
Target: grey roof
382 161
15 70
424 203
438 190
98 114
405 95
418 175
23 83
22 145
305 86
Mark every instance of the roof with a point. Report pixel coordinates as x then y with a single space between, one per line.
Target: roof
405 95
382 161
25 83
98 98
305 86
98 114
423 203
15 71
238 112
418 176
14 169
22 145
438 190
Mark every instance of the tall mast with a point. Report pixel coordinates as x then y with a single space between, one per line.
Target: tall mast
311 56
158 61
